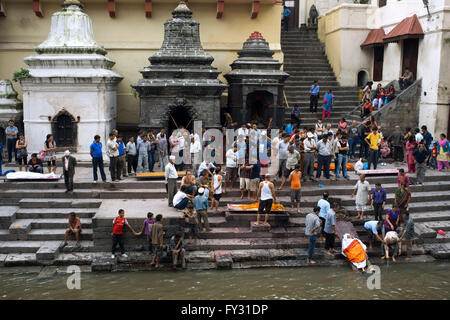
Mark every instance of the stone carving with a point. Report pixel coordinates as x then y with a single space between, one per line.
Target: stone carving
180 75
313 15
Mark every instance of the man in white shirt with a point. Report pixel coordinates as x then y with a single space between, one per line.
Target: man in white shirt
196 152
206 166
112 150
232 167
324 149
171 177
310 147
243 130
362 191
181 199
282 154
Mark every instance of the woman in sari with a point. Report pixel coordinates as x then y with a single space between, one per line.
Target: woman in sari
385 148
402 198
328 101
366 94
392 219
443 149
410 147
390 94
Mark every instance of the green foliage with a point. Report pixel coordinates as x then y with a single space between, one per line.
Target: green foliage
22 74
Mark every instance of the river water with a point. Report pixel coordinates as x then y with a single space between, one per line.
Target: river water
402 281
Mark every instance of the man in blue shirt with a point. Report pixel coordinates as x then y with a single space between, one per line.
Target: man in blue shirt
295 115
201 207
421 156
97 158
314 96
11 137
286 14
374 228
289 129
378 201
122 158
324 206
330 229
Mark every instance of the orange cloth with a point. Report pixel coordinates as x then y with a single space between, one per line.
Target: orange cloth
295 181
254 207
350 166
355 252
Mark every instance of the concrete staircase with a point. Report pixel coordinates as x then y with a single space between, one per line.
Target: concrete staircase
32 232
33 218
305 60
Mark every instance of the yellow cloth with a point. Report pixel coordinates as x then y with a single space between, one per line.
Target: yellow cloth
374 139
254 207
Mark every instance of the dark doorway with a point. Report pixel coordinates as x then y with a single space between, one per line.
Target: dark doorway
410 54
293 18
378 58
64 130
179 117
259 104
362 78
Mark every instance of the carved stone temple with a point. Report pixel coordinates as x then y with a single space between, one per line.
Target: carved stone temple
72 90
180 85
256 84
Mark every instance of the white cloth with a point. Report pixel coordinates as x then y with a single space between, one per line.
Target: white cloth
231 158
196 147
170 172
31 176
203 166
66 163
309 144
346 242
243 132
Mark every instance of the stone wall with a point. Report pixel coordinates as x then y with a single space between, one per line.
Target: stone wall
402 111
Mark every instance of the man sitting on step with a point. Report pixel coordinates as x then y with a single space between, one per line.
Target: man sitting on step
74 228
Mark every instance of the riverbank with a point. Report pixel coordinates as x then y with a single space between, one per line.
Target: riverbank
398 281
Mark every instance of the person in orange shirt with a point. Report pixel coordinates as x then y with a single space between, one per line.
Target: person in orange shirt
296 187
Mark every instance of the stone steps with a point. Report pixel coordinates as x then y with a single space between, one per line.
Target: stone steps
246 232
54 213
55 234
58 203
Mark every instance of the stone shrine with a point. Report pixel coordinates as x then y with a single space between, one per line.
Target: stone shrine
180 85
10 108
72 90
256 83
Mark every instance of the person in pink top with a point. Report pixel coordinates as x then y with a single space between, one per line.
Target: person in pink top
342 125
402 178
411 145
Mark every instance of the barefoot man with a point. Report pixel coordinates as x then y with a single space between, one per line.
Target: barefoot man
267 196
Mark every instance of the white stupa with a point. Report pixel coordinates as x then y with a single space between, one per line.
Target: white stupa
72 90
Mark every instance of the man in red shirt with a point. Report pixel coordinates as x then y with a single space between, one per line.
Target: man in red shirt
117 234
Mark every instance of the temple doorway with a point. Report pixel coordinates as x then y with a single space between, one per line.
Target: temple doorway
64 130
258 106
180 117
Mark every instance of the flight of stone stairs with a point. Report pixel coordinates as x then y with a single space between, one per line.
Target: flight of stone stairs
32 231
305 60
33 216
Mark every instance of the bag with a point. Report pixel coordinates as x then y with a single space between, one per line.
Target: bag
42 155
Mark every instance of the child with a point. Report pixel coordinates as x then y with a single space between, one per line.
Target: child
177 246
385 149
217 188
117 235
433 159
296 187
193 223
157 234
147 228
